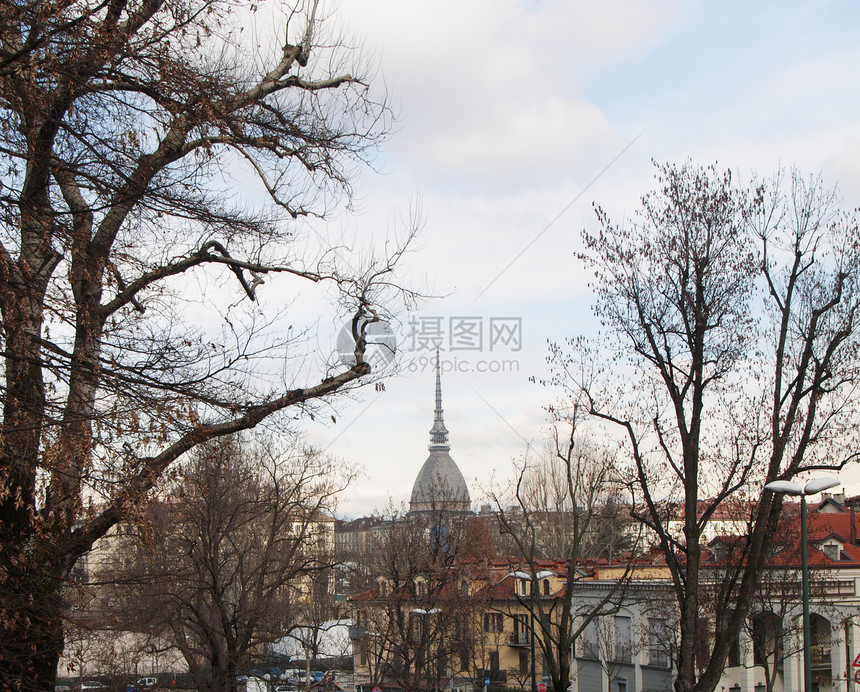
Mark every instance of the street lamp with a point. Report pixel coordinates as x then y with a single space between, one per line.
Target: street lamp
427 614
812 488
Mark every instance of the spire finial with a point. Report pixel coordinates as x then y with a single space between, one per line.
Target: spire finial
438 433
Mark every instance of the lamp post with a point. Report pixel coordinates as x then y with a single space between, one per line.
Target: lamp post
812 488
427 614
532 637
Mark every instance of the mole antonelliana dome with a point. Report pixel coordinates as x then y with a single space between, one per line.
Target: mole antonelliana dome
439 484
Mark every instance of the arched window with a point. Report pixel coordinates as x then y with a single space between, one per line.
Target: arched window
820 629
524 587
766 638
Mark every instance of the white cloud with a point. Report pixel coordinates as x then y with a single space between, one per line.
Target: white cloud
510 109
525 144
843 166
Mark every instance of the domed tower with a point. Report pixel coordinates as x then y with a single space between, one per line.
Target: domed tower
440 485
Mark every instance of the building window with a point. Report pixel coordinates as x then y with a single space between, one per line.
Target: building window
417 627
494 661
521 629
493 622
588 643
620 684
465 660
525 666
524 587
420 588
623 639
734 653
840 587
546 587
759 639
658 642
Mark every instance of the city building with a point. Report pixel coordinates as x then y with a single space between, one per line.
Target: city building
769 652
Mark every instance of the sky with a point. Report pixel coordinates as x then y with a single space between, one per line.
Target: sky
514 116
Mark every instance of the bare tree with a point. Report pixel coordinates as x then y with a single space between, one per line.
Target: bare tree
124 126
553 510
320 631
770 628
773 629
231 556
735 358
418 620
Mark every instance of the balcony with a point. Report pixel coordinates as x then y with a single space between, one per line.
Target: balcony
519 639
358 632
820 655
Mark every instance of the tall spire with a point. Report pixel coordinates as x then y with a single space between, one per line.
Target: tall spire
439 484
438 433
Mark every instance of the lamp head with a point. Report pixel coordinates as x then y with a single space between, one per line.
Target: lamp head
786 487
815 486
819 484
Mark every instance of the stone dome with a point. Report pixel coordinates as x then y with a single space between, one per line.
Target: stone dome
440 485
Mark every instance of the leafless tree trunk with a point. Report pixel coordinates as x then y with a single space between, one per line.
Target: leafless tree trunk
417 619
224 567
121 122
555 509
772 627
734 364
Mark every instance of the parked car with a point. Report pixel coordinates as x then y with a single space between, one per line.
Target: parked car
284 688
92 685
146 682
317 676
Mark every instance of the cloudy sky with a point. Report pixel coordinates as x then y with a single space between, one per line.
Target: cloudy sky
516 115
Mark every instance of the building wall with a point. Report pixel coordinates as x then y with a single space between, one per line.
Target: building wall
656 679
500 644
590 675
835 645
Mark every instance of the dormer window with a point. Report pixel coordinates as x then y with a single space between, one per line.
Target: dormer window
831 546
831 550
